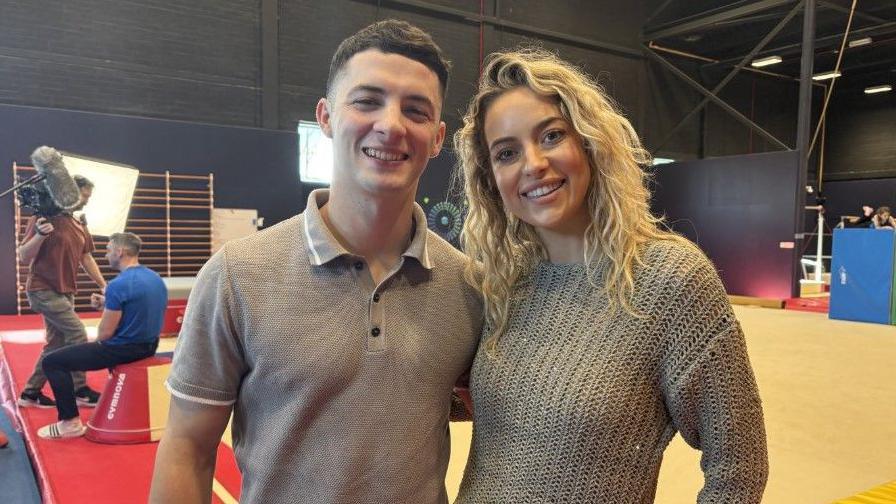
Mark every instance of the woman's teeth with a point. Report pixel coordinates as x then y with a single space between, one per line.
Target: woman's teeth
543 190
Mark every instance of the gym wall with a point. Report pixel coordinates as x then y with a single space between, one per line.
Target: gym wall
253 168
263 64
168 85
738 209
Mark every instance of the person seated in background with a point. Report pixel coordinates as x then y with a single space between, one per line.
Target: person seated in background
883 219
135 303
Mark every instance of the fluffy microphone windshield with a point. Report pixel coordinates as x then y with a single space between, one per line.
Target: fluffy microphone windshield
61 186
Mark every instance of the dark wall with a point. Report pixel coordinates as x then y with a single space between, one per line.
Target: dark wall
859 140
307 44
769 102
205 61
253 168
738 210
846 197
861 137
196 60
668 100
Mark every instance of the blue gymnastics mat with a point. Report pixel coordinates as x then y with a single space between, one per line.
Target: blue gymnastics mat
16 475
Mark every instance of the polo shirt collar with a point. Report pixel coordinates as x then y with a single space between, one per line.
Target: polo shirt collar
323 247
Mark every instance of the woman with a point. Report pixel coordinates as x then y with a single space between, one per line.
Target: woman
604 334
883 219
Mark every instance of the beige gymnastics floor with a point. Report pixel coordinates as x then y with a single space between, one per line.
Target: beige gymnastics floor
829 396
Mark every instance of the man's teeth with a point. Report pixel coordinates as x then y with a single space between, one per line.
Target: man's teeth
541 191
383 156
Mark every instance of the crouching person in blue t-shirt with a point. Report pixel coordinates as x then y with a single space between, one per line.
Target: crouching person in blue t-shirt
135 303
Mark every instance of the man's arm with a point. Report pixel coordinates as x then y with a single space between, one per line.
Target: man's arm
108 324
35 235
93 271
461 400
185 461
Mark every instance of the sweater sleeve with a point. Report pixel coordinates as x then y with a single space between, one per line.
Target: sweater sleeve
711 393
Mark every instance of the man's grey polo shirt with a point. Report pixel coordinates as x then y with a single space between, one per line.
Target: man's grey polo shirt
341 389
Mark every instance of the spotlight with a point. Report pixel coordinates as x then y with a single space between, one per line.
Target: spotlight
826 76
768 60
859 42
878 89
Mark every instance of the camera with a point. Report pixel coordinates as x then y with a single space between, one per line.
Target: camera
36 198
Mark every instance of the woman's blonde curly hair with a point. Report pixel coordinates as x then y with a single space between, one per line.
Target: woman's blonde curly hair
502 247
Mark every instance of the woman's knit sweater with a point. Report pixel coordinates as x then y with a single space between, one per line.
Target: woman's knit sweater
578 403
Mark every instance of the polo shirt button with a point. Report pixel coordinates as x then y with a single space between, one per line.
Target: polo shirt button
376 298
375 332
359 265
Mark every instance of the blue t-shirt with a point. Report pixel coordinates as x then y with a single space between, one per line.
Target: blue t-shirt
142 297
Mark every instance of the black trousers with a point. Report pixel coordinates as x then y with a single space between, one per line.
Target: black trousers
59 364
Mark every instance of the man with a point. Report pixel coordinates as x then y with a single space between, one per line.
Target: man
135 304
55 248
334 337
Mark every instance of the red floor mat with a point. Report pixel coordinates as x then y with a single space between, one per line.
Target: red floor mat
76 471
34 321
813 304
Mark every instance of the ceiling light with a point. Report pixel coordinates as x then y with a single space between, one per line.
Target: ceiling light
860 42
768 60
878 89
826 76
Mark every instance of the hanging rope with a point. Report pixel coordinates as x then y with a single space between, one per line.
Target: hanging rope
827 98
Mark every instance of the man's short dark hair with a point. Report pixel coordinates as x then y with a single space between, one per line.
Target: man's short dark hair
392 37
81 181
127 241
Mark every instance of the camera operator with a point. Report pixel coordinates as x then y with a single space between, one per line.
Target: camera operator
54 248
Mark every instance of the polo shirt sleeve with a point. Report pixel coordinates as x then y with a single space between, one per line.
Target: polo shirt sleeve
115 295
209 362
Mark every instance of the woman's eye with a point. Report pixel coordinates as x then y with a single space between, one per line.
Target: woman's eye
554 136
504 155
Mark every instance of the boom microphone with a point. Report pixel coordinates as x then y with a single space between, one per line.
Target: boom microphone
61 186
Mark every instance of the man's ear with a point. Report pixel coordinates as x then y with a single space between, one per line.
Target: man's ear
440 139
323 117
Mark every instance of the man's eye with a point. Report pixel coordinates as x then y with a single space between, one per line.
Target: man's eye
420 113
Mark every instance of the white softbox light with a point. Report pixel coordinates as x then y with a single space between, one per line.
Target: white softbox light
114 184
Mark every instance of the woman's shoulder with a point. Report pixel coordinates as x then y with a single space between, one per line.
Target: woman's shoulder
674 259
680 274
